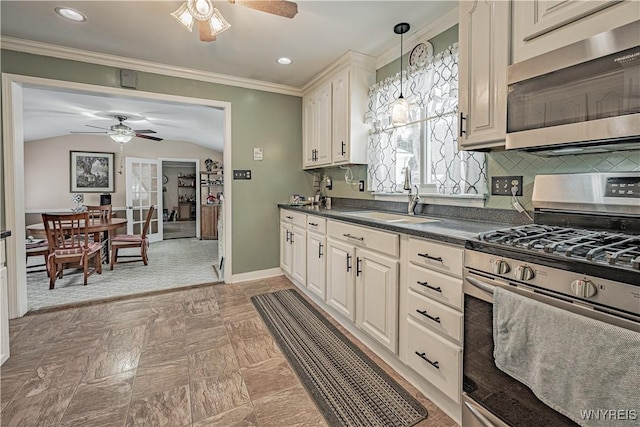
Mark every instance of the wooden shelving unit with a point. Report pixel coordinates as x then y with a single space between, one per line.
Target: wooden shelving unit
211 182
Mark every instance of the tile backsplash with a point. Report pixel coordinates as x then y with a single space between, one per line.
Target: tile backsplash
529 165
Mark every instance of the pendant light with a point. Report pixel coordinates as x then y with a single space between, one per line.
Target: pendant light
400 114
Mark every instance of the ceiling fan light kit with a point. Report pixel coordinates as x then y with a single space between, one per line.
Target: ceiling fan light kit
122 133
210 20
400 112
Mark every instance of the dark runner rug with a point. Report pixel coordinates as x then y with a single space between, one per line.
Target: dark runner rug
346 385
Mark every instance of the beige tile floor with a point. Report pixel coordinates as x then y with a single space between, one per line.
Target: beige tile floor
195 357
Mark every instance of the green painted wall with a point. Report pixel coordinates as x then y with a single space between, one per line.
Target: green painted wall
259 119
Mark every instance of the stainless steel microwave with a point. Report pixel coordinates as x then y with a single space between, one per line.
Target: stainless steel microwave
583 97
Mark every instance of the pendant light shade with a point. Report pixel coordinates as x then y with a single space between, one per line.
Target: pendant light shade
400 113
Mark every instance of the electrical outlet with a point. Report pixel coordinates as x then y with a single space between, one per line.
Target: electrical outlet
505 185
361 186
241 174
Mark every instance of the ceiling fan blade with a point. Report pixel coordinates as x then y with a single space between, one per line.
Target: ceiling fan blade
205 32
85 132
288 9
144 131
153 138
97 127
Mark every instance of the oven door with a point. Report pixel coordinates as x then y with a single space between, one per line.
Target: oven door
491 397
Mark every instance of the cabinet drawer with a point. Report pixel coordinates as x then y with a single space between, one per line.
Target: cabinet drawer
438 286
444 369
316 224
386 243
437 256
295 218
435 316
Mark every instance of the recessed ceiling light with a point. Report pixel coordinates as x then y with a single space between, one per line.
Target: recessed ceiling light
284 61
70 14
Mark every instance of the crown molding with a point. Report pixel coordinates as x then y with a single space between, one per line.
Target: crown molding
349 58
55 51
420 36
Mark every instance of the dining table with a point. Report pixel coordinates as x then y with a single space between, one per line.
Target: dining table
96 226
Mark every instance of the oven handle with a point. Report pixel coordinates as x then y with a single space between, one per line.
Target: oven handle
481 285
478 415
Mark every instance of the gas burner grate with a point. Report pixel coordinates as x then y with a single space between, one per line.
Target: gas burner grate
593 246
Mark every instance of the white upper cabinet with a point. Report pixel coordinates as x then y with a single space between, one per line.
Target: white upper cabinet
484 56
334 132
543 25
317 127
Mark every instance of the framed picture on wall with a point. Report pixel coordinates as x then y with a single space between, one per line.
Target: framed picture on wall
92 172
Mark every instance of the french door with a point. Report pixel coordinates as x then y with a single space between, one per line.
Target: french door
144 189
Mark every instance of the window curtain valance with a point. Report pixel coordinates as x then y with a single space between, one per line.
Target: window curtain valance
432 92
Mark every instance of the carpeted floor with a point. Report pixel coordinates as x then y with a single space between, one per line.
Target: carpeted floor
172 264
347 386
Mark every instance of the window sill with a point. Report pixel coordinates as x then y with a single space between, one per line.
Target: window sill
469 200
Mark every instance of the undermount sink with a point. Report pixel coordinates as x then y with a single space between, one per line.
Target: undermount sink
390 217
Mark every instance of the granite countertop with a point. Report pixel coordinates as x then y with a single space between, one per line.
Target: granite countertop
449 230
4 234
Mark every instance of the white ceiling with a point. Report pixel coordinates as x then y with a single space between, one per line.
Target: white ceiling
49 113
318 35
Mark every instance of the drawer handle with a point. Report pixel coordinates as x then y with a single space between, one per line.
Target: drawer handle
439 259
289 217
426 285
349 236
424 313
313 224
424 357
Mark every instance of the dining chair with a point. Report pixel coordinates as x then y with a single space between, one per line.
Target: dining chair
102 212
121 241
36 248
69 244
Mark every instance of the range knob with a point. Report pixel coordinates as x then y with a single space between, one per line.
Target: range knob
584 288
500 266
524 272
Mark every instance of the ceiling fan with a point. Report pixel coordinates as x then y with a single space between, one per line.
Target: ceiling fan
122 133
211 22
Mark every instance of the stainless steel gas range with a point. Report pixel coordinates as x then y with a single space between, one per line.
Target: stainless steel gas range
582 255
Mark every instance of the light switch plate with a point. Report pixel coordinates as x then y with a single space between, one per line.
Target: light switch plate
242 174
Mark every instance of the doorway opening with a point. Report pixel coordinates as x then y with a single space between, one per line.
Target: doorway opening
179 200
14 185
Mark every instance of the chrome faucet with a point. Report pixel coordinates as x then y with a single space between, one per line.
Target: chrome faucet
413 198
413 201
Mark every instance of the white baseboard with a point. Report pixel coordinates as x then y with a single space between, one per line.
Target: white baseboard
256 275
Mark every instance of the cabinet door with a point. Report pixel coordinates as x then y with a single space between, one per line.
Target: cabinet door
340 278
542 25
316 264
323 122
377 297
285 248
309 130
484 57
298 240
341 122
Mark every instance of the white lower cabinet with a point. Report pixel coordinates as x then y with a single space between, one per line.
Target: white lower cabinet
433 320
435 359
340 278
293 246
362 279
377 297
316 256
